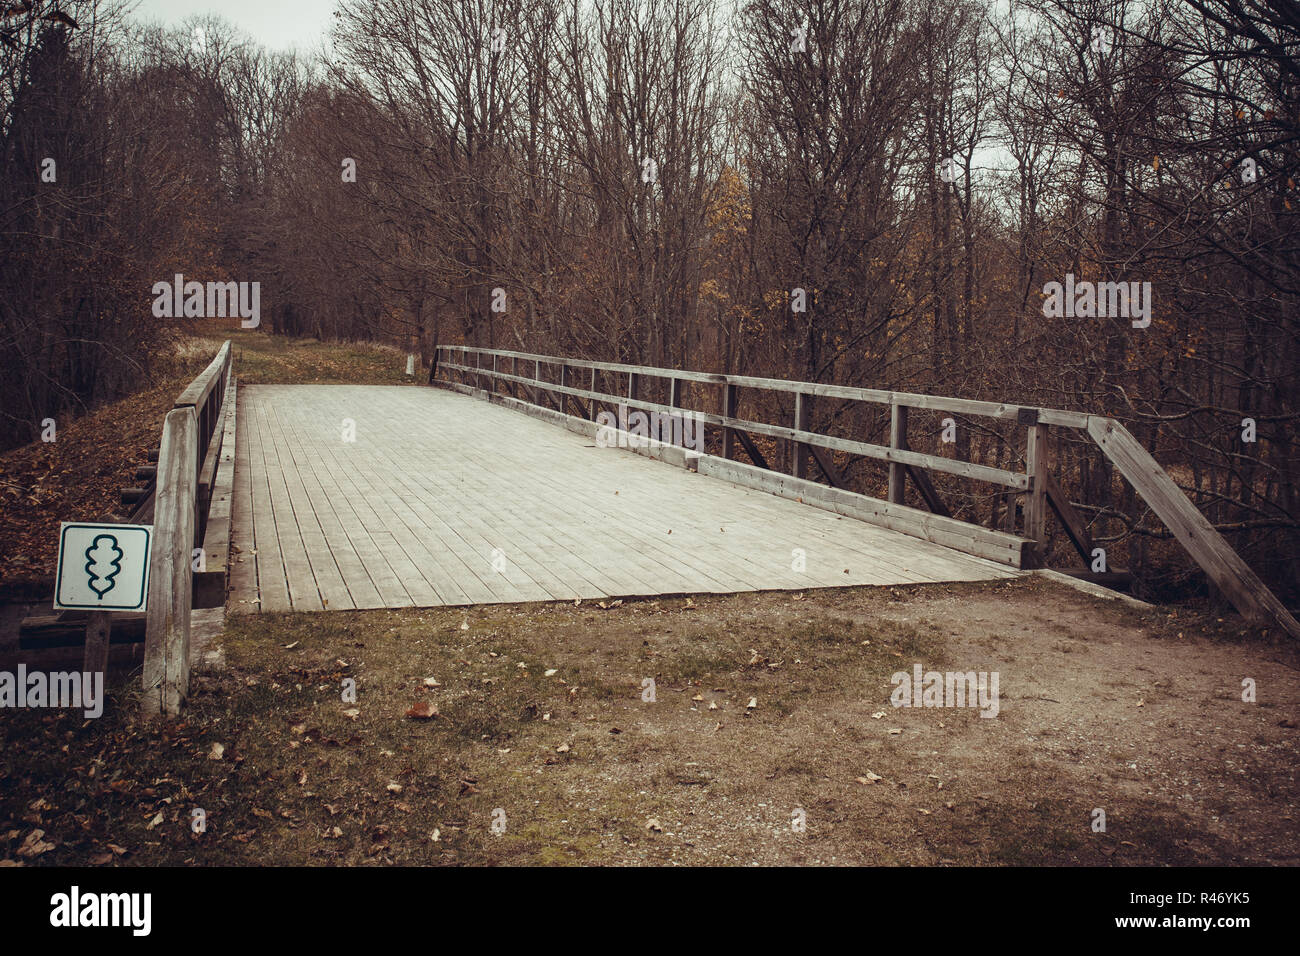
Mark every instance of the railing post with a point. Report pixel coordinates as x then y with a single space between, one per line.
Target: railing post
564 383
728 411
167 618
537 377
675 401
1036 498
492 385
799 465
897 441
633 386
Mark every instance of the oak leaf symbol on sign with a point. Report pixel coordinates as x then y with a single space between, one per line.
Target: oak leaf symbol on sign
103 563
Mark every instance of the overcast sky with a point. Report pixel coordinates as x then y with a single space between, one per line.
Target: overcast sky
273 23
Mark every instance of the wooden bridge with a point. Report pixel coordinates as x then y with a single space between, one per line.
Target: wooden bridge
333 497
441 499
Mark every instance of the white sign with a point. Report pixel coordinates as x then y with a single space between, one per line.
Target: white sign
103 567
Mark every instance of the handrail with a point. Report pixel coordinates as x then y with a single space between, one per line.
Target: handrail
1205 545
187 457
961 406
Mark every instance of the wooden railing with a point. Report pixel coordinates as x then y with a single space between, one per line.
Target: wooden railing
483 372
182 495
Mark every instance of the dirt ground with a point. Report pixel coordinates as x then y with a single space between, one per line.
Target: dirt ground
543 750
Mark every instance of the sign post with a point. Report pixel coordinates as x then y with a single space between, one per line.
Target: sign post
102 568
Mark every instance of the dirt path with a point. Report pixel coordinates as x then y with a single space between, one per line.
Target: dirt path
1100 706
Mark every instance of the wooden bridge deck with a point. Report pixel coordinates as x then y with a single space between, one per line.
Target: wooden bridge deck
446 500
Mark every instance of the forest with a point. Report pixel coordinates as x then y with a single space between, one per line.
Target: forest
1078 204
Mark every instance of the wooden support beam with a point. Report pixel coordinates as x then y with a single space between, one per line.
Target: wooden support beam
970 538
98 630
921 480
897 442
1194 532
1116 579
965 469
961 406
564 383
549 400
799 467
751 449
1075 528
131 496
675 392
1036 466
211 579
826 463
167 628
208 469
728 411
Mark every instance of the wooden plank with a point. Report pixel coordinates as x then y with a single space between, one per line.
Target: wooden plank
99 625
243 563
1088 587
881 452
827 464
294 456
701 554
392 561
959 535
329 507
304 587
950 573
167 628
197 392
423 496
929 494
272 581
539 501
799 464
961 406
751 450
729 399
897 442
1075 528
1036 467
1194 532
210 582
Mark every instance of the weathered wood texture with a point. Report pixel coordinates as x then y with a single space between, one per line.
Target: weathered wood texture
1194 532
99 626
960 406
447 500
1224 567
211 579
167 629
732 427
188 461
